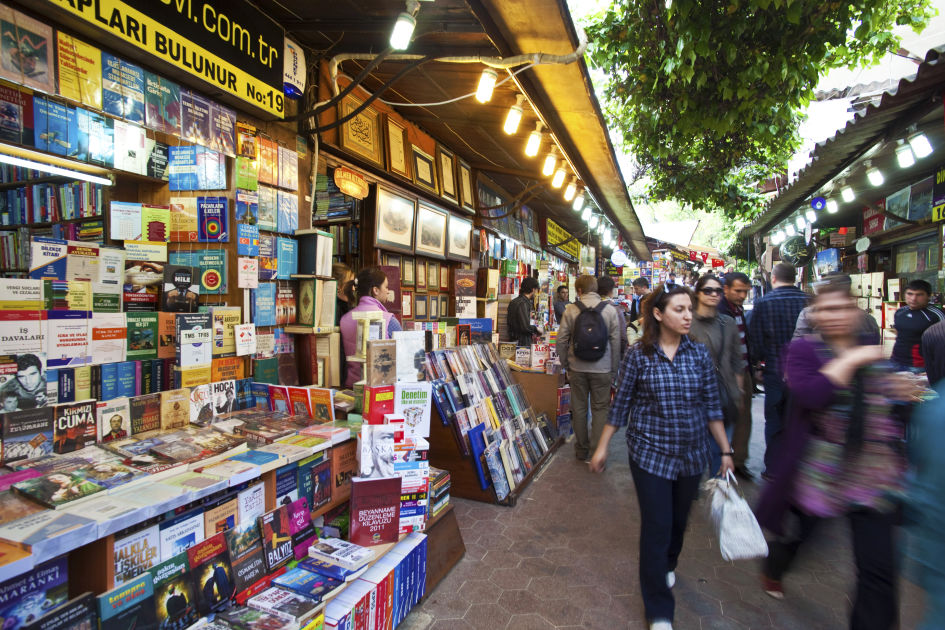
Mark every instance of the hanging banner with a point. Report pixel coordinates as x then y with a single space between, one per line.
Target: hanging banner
558 241
938 195
240 48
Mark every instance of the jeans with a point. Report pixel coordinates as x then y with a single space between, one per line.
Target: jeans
664 510
741 434
775 404
874 606
597 387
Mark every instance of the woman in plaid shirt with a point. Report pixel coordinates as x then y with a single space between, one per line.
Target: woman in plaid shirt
668 398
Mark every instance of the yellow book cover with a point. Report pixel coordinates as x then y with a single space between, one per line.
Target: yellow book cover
80 70
225 318
493 416
83 382
183 219
227 368
167 342
156 223
175 409
198 375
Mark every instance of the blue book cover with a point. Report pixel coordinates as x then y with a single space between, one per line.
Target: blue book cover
244 394
41 122
182 168
48 258
101 140
211 169
110 386
126 379
132 88
287 487
258 458
66 385
129 605
313 585
247 239
57 133
212 226
31 595
111 85
287 257
72 133
210 265
324 568
83 121
260 395
264 304
247 207
288 218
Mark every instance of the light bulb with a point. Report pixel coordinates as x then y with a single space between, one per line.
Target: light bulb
593 221
571 190
558 180
847 194
875 176
801 223
534 142
920 145
513 118
904 155
811 216
586 215
551 161
403 31
781 236
832 206
486 84
789 230
578 204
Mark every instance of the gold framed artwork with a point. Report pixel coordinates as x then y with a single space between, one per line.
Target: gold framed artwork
407 272
424 170
421 279
444 278
394 221
362 134
434 308
459 242
466 188
392 260
444 305
406 309
398 160
433 276
431 231
446 165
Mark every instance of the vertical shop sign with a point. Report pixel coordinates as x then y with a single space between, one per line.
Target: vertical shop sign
229 44
938 195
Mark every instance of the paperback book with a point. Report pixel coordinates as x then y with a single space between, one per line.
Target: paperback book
277 537
174 600
135 553
129 606
212 573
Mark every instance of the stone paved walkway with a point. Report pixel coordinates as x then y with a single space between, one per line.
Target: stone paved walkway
566 557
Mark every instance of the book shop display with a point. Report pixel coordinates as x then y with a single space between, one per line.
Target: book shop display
186 436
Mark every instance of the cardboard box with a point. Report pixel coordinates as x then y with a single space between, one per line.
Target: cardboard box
889 312
877 283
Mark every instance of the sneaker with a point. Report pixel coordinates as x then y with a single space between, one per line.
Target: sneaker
772 588
671 579
662 624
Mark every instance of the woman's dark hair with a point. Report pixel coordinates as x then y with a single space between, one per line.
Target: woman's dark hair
368 279
657 300
340 271
704 280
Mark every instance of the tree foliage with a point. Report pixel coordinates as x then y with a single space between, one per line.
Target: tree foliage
707 94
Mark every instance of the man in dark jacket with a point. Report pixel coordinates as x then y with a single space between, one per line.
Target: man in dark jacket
521 329
736 287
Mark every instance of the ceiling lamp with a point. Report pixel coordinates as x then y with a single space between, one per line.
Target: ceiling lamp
789 230
586 215
486 84
534 141
558 179
904 155
801 223
779 237
403 27
874 175
514 117
593 221
551 161
571 190
578 204
920 145
832 205
811 217
51 169
847 194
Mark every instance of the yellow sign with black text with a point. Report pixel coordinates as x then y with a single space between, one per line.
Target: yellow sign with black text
226 43
558 239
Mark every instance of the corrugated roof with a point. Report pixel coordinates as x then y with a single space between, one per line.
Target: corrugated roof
911 97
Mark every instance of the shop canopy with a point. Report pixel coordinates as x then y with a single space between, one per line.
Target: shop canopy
561 96
873 136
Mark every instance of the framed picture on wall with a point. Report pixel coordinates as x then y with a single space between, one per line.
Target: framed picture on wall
431 231
406 309
420 308
466 188
421 279
444 305
362 134
392 260
446 165
434 308
444 277
424 170
406 272
398 160
433 276
459 243
394 221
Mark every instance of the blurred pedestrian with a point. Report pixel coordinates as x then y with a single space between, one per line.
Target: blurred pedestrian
933 352
605 288
736 286
667 395
843 456
866 326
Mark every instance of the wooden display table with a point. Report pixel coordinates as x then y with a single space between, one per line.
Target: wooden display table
542 392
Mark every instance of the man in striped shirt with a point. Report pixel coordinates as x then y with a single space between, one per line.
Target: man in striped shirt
737 285
910 322
933 351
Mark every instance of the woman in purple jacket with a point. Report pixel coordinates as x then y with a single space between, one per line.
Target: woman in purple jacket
371 287
844 455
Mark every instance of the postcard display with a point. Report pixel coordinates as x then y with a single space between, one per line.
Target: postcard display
145 360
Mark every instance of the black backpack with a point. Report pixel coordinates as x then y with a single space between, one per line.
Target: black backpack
590 337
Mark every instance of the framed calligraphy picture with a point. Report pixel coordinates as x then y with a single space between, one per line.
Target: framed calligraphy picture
398 161
362 134
446 164
424 170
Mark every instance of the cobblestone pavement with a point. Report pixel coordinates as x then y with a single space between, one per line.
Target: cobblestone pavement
566 557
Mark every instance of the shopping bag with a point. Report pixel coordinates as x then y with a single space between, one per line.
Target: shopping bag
736 527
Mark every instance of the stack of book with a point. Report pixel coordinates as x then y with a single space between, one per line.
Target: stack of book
439 491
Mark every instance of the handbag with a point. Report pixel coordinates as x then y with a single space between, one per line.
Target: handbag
737 529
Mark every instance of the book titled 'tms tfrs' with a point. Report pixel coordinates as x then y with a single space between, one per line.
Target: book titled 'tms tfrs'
211 572
375 510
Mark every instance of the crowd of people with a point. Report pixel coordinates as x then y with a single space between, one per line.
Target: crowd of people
678 366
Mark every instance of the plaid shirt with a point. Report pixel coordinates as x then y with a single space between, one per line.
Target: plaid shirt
667 406
772 324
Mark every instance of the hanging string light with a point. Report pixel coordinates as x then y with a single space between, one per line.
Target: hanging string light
514 117
534 141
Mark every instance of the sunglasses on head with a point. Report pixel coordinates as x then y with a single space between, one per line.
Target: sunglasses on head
711 290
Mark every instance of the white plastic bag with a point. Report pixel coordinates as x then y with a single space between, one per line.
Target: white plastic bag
739 534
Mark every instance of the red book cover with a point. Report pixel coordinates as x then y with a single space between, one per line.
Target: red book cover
323 405
276 537
375 511
74 426
377 402
299 403
279 398
301 527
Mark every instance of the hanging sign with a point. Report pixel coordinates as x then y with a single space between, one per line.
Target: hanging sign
351 183
229 44
938 196
559 241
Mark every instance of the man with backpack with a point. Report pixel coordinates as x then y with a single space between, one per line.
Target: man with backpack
589 351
